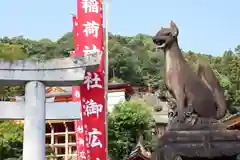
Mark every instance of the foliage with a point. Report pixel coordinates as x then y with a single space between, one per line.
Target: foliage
227 70
115 79
50 154
11 138
124 123
131 59
11 141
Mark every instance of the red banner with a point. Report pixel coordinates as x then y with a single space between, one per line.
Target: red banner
91 41
90 15
78 124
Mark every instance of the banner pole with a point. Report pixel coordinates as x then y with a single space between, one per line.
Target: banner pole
105 18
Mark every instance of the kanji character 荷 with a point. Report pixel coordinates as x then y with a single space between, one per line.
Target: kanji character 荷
91 28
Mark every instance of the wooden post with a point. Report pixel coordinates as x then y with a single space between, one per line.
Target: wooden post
34 121
56 147
52 137
66 141
70 147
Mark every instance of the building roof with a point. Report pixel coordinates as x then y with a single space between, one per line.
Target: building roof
138 153
60 94
111 85
67 91
57 89
231 117
233 121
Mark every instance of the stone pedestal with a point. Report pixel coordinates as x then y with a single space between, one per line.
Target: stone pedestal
198 144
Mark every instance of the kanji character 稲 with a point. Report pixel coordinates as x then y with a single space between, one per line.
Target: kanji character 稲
90 6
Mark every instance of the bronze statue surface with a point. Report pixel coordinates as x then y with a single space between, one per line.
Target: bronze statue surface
194 130
193 93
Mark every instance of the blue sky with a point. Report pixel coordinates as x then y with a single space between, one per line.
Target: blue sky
206 26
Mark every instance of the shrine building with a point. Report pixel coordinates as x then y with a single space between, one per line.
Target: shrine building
60 135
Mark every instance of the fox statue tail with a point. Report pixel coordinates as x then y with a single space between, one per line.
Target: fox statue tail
205 72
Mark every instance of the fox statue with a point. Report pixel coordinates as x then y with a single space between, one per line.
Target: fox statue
200 91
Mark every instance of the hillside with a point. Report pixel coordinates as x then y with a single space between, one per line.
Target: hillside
131 59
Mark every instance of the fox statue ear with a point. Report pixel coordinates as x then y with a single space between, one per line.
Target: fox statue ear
174 28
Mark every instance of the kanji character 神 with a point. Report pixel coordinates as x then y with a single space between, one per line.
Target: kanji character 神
94 138
90 6
91 28
93 50
91 107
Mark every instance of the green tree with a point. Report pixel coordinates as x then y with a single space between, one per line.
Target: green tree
135 60
11 52
124 123
11 139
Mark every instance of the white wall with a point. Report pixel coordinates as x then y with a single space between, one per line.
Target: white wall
115 98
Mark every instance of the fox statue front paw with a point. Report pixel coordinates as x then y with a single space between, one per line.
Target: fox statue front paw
181 116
